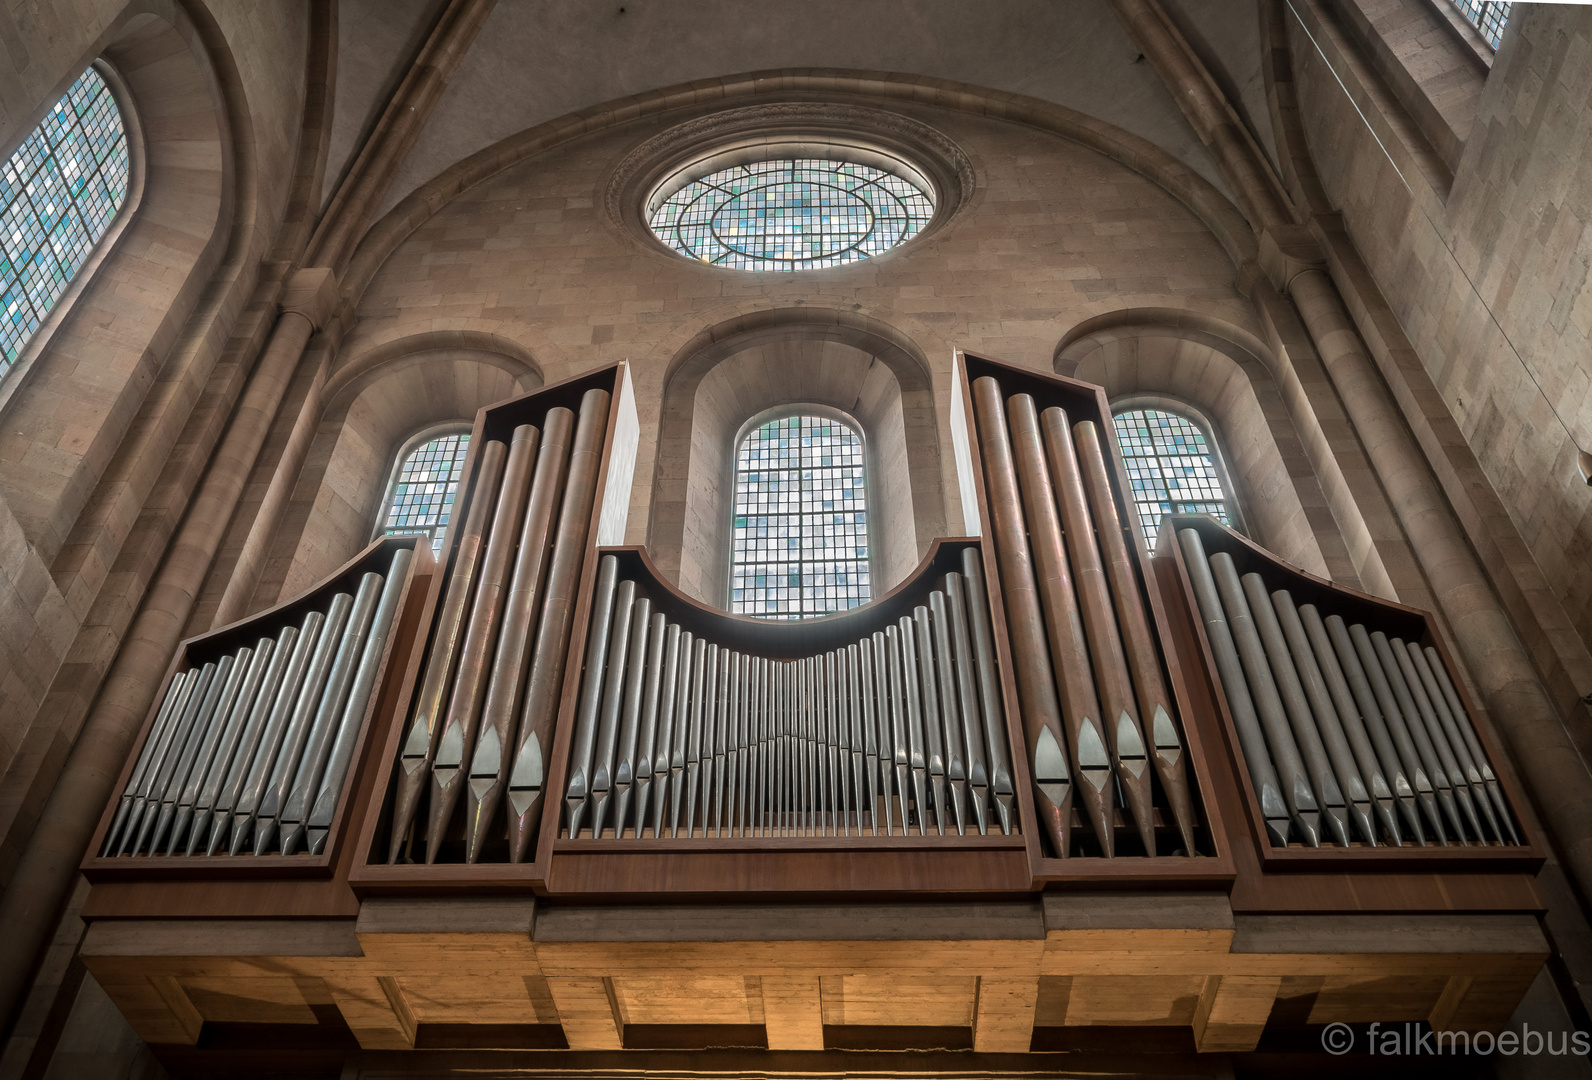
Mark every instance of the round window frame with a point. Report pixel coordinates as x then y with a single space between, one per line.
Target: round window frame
667 162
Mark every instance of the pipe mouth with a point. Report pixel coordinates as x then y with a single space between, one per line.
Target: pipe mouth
1585 460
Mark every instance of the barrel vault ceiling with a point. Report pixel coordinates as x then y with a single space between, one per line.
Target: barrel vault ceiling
536 60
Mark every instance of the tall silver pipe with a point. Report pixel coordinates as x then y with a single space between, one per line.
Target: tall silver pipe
933 722
1304 808
149 758
1457 781
221 763
860 773
335 774
862 669
270 746
950 712
1143 656
976 771
166 794
488 761
713 755
1401 766
298 729
1327 724
639 750
701 745
476 659
1037 704
663 734
242 664
626 607
253 733
835 747
1002 787
1119 713
306 782
1467 725
442 657
1276 808
555 625
1329 793
1353 725
1410 717
687 689
1468 761
584 744
899 723
624 759
1419 760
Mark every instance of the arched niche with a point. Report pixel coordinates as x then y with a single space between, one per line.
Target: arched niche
742 369
372 411
88 371
1176 358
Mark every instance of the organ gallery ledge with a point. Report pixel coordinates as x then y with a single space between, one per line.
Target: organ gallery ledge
530 796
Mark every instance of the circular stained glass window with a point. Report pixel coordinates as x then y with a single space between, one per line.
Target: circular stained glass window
792 214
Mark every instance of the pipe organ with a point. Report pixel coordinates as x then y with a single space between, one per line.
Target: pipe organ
1128 755
899 731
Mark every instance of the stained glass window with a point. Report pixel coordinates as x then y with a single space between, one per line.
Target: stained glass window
423 491
1171 467
800 541
794 214
58 195
1488 16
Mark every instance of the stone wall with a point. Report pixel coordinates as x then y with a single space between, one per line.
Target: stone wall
1489 281
1053 235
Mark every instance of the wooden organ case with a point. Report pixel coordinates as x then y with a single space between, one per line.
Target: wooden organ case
1049 795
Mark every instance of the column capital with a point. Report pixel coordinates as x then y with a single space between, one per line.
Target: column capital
312 292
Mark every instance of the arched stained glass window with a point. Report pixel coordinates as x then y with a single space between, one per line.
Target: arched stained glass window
1487 16
423 487
1172 467
791 214
800 542
58 194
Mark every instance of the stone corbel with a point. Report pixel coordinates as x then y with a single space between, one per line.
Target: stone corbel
312 292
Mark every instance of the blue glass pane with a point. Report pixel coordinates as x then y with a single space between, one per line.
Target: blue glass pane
58 194
1487 16
799 546
1170 468
428 480
795 214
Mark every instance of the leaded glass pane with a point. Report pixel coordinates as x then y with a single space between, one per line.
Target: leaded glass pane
798 214
58 194
799 546
422 496
1487 16
1171 467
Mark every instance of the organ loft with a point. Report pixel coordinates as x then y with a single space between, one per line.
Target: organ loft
878 540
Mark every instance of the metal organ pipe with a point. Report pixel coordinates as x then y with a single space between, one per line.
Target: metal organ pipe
248 752
1359 722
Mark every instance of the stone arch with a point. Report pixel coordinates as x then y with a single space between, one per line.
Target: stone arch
1219 370
374 404
94 363
745 366
1199 195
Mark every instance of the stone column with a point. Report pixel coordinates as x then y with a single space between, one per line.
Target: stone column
48 867
1515 697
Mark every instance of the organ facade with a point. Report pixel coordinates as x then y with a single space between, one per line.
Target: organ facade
554 539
